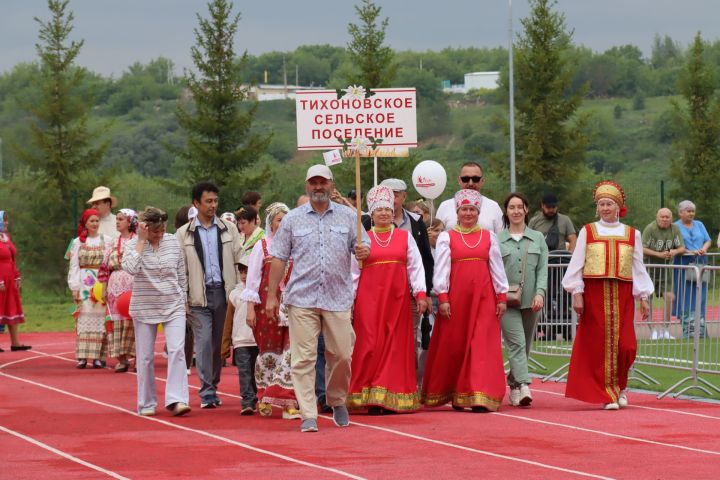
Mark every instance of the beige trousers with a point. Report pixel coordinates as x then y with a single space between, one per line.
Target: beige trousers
305 327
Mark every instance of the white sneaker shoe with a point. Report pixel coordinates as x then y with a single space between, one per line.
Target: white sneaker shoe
667 336
622 400
525 395
611 406
655 335
514 397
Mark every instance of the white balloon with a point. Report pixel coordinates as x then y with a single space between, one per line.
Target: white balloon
429 179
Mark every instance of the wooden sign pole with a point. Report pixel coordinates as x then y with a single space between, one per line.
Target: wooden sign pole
358 200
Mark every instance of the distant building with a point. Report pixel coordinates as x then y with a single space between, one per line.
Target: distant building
474 81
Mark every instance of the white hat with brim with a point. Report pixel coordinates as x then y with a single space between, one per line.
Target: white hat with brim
319 171
103 193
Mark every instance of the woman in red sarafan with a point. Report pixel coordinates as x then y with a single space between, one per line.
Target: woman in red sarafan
465 365
273 376
11 313
605 276
383 361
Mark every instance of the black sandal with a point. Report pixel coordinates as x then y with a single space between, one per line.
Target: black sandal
17 348
82 363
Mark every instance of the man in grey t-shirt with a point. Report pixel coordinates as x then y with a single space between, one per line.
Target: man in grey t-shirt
557 228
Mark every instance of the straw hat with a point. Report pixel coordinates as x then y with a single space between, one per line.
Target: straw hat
102 193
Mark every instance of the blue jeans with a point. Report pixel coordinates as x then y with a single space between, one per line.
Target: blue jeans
320 371
208 323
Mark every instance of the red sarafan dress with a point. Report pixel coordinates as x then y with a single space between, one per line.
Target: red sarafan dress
273 374
11 312
465 364
607 262
383 361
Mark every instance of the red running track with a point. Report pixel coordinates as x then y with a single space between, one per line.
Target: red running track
75 424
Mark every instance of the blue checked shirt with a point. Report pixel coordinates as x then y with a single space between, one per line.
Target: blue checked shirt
321 247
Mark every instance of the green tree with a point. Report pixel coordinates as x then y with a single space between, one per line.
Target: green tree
697 167
62 151
221 143
550 139
367 52
60 128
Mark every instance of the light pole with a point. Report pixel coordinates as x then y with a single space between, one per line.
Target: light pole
512 100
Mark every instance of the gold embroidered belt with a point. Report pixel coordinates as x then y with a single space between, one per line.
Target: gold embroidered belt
383 262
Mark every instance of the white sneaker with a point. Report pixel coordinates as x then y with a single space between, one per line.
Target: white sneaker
525 395
147 412
611 406
515 397
655 335
667 336
622 400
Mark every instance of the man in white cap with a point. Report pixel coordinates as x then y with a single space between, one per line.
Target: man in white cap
320 237
413 223
103 202
471 177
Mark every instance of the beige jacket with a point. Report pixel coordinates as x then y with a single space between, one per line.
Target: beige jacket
231 251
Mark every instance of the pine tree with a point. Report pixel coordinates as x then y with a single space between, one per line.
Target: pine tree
549 139
221 144
63 151
696 168
368 54
63 142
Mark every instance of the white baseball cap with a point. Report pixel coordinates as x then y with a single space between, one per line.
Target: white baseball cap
319 171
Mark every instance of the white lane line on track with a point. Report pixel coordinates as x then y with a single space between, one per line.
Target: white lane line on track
387 430
187 429
54 450
607 434
657 409
21 360
474 450
160 379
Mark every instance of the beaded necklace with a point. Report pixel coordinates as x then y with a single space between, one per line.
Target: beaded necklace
463 231
383 243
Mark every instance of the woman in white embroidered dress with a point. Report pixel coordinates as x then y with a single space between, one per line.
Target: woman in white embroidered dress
86 255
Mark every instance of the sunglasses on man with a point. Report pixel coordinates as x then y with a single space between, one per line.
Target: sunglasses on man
474 178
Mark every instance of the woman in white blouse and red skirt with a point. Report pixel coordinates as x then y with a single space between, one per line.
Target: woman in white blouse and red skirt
465 365
605 276
383 361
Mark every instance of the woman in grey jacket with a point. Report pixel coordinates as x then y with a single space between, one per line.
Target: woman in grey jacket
525 256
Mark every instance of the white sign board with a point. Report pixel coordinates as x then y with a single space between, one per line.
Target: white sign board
389 114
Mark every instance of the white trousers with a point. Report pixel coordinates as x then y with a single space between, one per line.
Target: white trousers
176 388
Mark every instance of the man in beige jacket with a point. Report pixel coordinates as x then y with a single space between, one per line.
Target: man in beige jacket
211 247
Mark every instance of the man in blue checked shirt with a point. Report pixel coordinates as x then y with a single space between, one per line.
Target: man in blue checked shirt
320 237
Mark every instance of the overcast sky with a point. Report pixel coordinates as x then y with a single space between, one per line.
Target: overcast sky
118 33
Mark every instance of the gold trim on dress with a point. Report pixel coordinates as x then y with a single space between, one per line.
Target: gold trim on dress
472 399
381 396
383 262
469 259
611 318
625 261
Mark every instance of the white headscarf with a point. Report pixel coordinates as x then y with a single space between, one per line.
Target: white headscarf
270 212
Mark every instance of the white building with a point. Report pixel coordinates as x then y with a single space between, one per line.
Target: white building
476 81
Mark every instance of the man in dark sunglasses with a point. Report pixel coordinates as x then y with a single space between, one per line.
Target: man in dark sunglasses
471 177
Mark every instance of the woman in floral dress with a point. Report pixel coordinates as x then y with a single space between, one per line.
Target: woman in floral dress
272 368
86 256
118 282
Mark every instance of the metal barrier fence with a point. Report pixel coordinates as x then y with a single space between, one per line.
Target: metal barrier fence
682 332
